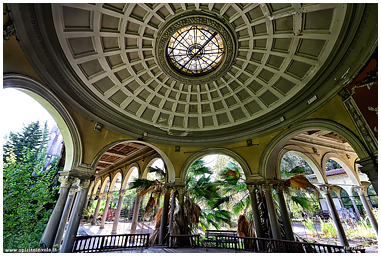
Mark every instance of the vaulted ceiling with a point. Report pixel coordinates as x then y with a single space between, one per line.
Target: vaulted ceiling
107 65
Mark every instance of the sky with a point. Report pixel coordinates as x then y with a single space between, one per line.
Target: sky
18 108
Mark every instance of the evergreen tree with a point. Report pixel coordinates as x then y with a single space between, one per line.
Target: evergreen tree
33 138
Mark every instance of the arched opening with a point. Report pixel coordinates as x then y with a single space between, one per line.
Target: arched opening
36 151
215 190
65 123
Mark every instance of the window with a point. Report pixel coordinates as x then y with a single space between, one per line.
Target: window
195 50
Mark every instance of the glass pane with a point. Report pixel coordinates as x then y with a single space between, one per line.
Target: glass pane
195 50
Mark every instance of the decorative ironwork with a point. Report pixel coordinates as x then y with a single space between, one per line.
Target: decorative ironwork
195 50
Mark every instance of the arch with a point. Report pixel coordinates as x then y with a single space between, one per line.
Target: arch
344 164
306 156
97 184
148 163
114 177
104 183
127 174
211 151
168 163
65 123
89 192
269 156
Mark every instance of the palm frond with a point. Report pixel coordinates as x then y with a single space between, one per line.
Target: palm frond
156 170
298 182
302 201
220 201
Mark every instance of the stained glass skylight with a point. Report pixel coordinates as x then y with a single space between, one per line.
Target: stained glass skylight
195 50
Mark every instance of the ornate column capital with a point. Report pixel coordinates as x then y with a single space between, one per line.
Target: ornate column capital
360 190
93 196
180 190
279 188
122 192
267 187
324 188
72 192
66 181
109 194
251 188
101 195
83 184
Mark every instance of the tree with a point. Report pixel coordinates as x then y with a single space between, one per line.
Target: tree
29 193
28 199
32 137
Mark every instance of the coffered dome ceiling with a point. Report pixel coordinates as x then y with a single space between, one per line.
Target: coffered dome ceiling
273 55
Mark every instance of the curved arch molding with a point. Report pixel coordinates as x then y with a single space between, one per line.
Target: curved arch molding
73 146
268 160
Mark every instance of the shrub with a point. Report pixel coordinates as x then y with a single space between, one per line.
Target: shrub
310 225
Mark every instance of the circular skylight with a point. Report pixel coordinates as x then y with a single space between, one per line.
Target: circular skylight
195 50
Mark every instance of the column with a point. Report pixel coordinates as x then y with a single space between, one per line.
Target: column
135 215
64 218
173 206
182 226
109 194
254 206
355 206
369 201
275 229
325 191
117 213
164 215
284 212
341 202
369 212
96 211
50 232
75 217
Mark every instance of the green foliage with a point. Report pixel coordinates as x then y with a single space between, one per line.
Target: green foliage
290 161
328 228
33 138
28 198
310 225
363 229
302 201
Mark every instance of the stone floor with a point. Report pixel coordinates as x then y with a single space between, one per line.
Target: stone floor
123 228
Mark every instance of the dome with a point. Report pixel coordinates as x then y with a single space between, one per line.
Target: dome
273 64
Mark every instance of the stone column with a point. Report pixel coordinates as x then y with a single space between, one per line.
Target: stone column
358 215
256 216
325 191
64 218
50 232
164 215
369 167
284 212
369 212
369 201
173 206
135 215
96 211
109 194
117 213
275 229
75 217
181 191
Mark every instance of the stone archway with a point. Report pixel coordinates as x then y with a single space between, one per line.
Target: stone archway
210 151
69 131
168 163
316 168
268 160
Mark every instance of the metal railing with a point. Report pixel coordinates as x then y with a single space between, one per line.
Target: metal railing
109 242
257 244
184 241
